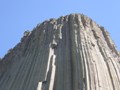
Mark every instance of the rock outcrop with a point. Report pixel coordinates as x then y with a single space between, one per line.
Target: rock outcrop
68 53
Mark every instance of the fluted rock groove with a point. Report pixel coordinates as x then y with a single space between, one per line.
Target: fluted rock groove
68 53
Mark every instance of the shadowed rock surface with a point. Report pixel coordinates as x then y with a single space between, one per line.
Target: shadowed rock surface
68 53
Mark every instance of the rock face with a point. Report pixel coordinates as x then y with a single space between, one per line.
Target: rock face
68 53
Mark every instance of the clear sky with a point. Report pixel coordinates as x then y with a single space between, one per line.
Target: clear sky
17 16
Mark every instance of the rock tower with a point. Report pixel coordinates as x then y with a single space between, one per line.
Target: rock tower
68 53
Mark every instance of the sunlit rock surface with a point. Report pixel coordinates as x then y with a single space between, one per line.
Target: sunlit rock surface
68 53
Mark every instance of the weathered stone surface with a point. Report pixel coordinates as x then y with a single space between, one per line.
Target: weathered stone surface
68 53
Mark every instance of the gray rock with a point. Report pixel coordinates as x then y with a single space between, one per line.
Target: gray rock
68 53
26 33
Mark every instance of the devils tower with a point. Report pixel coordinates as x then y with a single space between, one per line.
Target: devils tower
68 53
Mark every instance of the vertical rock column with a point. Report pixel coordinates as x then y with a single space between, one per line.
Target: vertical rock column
68 53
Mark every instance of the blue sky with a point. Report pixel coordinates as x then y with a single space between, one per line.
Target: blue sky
17 16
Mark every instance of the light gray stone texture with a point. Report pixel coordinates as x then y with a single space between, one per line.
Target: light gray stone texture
68 53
